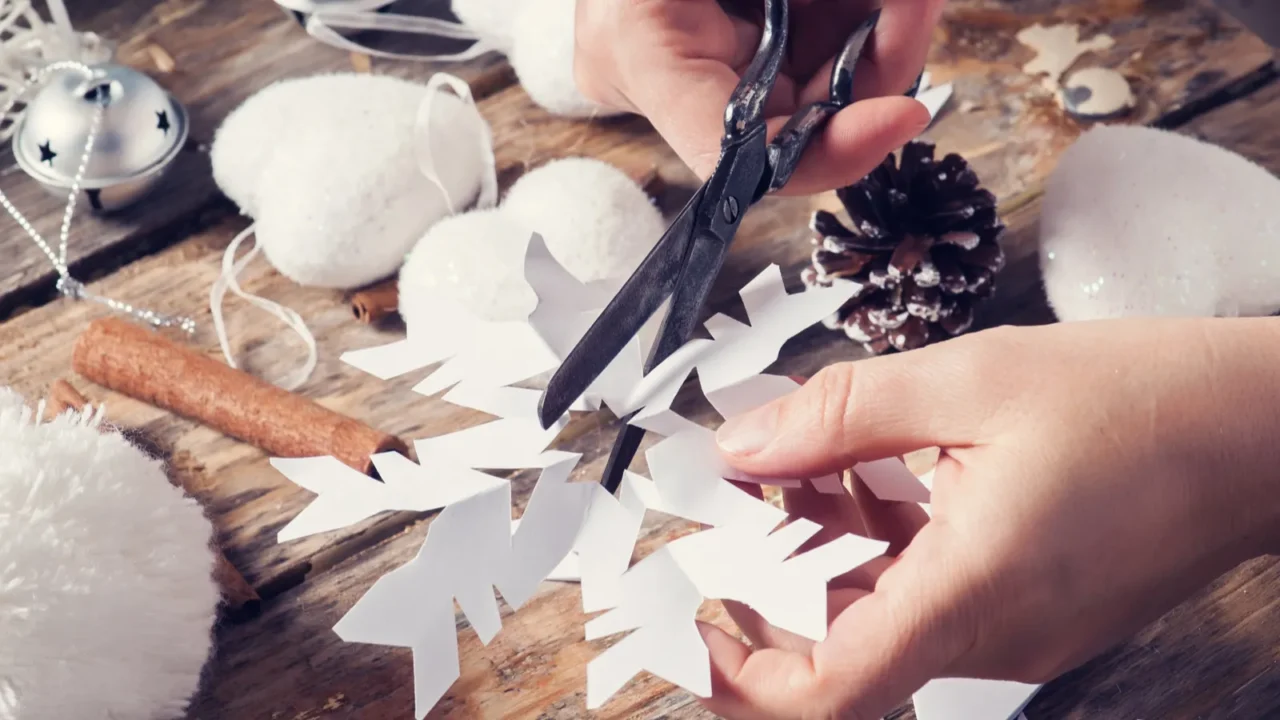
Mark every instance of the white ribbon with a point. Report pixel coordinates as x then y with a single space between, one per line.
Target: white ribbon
227 280
326 19
488 196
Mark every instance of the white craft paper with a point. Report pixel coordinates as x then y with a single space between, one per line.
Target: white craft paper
475 550
965 699
890 480
412 606
661 596
547 531
346 496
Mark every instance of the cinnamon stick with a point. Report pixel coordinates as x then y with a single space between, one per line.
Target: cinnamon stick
374 303
145 365
238 596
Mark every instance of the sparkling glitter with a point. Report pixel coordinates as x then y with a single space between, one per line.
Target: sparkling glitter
1053 255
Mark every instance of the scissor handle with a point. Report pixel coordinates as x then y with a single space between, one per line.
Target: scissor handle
746 105
789 145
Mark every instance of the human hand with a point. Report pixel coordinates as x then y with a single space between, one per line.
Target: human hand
677 62
1092 476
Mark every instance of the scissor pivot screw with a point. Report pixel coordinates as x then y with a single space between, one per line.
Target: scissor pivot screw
731 209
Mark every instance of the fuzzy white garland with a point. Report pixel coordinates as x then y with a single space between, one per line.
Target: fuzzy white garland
107 597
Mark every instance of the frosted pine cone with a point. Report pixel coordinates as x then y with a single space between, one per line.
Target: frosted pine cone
922 248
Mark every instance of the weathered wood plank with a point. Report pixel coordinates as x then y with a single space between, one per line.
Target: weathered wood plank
222 53
288 663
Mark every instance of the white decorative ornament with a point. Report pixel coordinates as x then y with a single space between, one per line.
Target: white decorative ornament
597 222
341 191
1143 222
106 574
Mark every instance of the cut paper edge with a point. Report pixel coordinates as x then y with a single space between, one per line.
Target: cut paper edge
966 699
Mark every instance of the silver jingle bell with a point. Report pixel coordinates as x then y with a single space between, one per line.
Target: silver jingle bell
141 132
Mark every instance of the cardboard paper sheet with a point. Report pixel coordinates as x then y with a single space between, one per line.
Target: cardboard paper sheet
475 549
892 481
965 699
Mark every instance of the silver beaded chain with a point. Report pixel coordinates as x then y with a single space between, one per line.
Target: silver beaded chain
67 285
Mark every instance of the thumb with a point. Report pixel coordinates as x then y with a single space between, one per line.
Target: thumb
860 411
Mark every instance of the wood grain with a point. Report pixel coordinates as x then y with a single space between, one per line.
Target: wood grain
220 53
288 663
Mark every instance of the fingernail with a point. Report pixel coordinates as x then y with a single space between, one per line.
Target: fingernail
749 433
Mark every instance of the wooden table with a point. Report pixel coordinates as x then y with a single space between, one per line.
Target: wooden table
1193 69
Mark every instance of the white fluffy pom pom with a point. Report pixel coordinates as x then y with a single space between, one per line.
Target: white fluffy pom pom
490 18
333 181
247 138
1142 222
542 57
477 261
107 598
597 222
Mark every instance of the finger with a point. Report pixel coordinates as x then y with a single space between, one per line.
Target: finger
893 522
765 636
675 65
866 410
854 142
879 650
898 48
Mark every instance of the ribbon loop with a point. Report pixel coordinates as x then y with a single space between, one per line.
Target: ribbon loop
488 195
228 280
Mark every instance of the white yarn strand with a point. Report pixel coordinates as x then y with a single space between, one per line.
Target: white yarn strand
227 280
68 285
488 196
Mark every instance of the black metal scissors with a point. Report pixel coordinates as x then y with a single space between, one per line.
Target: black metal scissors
685 262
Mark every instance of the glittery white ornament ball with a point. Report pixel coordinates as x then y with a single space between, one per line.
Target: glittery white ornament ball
475 260
107 597
597 222
492 19
1143 222
542 57
339 198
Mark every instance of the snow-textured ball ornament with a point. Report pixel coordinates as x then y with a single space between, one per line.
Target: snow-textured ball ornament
326 165
1144 222
475 261
542 57
107 596
597 222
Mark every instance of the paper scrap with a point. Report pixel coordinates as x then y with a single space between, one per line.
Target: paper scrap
933 98
965 699
1057 48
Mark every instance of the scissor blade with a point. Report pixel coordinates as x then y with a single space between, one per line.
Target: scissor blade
621 320
702 266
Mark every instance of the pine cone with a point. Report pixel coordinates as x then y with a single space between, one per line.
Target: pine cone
923 247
